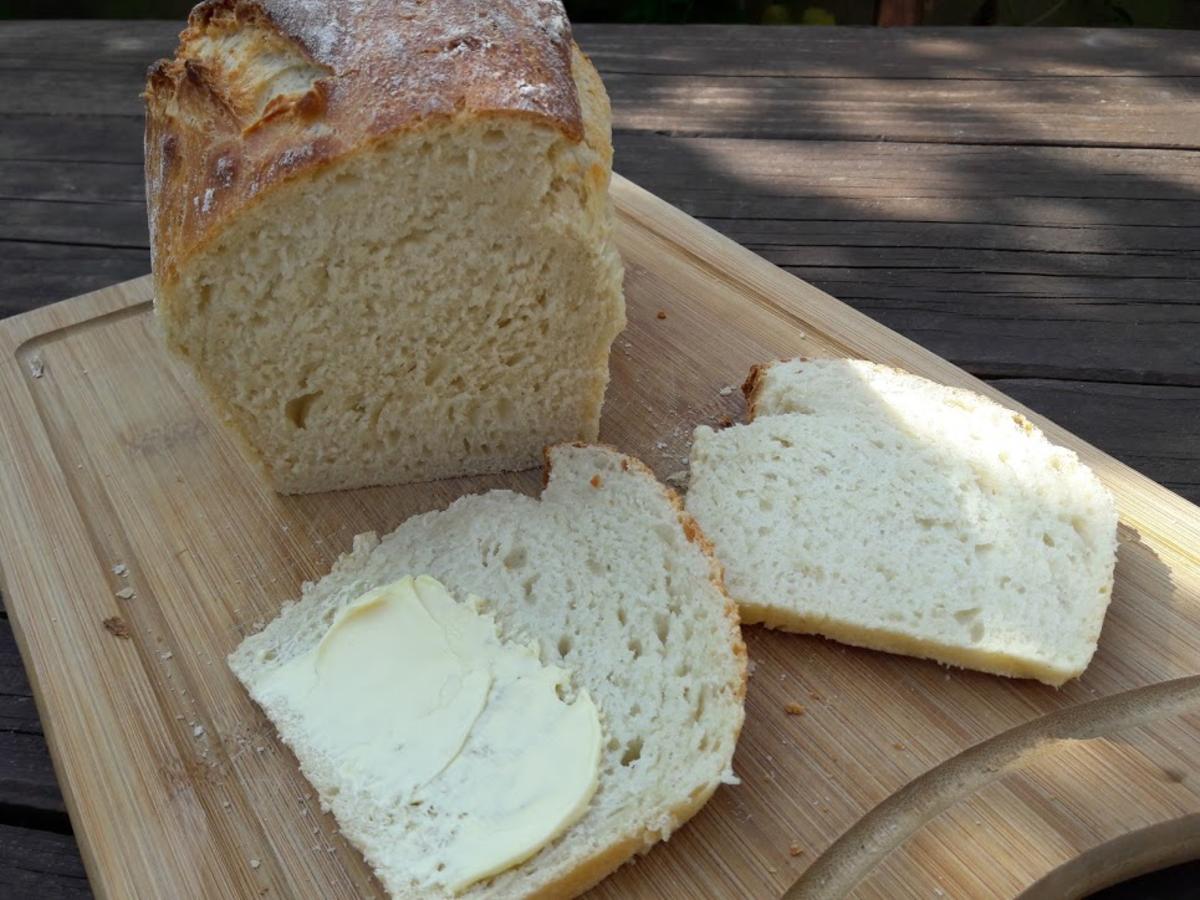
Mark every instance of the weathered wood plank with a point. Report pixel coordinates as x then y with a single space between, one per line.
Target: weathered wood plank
946 53
85 43
1152 111
799 83
26 774
84 139
38 273
40 864
1060 262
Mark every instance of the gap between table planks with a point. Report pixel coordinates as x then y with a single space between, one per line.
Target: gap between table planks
900 778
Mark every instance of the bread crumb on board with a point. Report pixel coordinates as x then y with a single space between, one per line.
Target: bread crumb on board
125 593
724 422
120 569
116 626
726 391
37 368
255 863
795 850
679 477
661 314
794 709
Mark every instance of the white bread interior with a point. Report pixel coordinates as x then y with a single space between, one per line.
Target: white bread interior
613 581
881 509
439 303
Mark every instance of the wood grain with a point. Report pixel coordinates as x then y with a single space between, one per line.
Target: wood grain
110 457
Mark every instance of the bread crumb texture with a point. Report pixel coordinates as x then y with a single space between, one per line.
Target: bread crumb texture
609 586
376 293
878 508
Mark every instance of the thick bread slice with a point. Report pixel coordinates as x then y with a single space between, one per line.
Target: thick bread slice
614 582
880 509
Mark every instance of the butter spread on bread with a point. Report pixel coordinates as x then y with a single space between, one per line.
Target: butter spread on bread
415 699
617 585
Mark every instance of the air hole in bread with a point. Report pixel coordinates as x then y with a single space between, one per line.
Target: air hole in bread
622 615
516 559
635 647
977 632
982 549
434 371
633 751
564 645
297 409
527 587
204 298
1047 540
662 627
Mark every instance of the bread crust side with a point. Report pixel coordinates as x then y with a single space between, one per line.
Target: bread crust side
889 641
260 92
595 869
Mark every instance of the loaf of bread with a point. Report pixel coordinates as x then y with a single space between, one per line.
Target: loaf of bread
613 582
381 234
884 510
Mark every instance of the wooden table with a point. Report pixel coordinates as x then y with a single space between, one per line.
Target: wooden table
1023 202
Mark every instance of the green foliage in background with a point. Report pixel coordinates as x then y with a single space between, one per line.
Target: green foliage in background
1093 13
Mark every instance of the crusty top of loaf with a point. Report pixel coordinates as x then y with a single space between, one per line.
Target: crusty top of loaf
260 91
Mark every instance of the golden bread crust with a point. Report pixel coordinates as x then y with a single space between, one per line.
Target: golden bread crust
261 91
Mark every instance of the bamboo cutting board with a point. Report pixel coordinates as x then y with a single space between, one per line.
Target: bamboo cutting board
900 778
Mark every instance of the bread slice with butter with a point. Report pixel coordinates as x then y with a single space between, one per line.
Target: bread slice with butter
880 509
612 586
